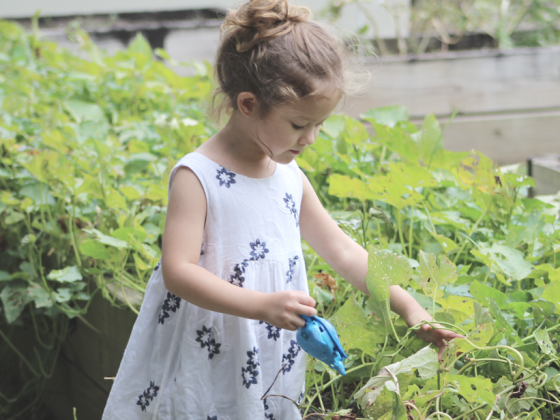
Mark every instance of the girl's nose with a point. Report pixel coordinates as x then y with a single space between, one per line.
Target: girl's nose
308 137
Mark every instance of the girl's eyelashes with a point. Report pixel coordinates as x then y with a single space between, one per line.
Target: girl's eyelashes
300 127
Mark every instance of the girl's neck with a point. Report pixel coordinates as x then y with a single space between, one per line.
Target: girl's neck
234 148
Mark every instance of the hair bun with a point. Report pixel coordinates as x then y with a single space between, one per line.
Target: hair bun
262 20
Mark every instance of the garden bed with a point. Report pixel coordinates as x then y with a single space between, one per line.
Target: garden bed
86 151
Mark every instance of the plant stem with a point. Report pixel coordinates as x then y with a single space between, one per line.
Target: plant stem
470 233
410 235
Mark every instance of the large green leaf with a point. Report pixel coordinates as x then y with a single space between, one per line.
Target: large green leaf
84 111
389 115
436 272
475 390
355 329
386 269
484 294
509 260
425 360
552 293
66 275
14 299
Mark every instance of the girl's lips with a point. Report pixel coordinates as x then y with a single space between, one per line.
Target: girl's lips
295 152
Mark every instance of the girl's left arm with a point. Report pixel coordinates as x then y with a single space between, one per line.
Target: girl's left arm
350 261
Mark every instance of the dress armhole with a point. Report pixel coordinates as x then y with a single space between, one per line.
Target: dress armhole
197 170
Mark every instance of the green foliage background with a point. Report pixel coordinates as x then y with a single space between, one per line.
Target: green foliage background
86 148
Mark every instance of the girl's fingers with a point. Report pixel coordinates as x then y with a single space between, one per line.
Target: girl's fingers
307 300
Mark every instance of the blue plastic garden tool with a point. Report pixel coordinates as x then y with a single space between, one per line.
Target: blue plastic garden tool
319 339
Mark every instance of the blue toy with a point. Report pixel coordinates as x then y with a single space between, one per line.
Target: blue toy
319 338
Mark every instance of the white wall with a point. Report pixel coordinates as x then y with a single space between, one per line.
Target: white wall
352 19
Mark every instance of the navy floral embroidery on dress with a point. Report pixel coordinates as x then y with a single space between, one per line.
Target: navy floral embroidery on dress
259 250
290 272
202 250
237 279
293 351
158 265
170 304
300 399
225 177
269 416
148 395
253 359
213 348
291 205
212 418
205 339
273 332
249 375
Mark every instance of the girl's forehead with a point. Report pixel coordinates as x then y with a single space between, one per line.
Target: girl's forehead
315 107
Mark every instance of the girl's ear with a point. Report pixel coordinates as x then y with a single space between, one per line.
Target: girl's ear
247 103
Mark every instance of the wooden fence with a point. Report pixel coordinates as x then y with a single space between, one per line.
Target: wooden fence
507 102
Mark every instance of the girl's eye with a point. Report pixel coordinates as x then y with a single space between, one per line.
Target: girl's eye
297 127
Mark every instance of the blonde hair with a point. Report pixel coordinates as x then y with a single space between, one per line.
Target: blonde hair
274 50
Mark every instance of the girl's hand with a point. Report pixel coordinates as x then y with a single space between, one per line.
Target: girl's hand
437 336
283 309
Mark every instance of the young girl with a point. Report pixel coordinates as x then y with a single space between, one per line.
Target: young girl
220 312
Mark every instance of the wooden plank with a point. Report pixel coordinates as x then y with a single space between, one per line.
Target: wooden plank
468 82
546 172
508 138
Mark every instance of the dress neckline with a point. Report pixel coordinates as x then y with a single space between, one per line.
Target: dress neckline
238 174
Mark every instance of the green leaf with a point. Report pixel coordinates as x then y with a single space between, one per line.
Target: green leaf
502 325
4 276
94 249
84 111
484 294
140 46
322 296
553 274
126 234
544 342
39 193
66 275
107 240
39 295
509 260
517 180
333 126
389 115
355 329
447 245
552 293
430 143
425 360
14 298
475 390
480 336
63 294
436 272
386 269
343 186
14 217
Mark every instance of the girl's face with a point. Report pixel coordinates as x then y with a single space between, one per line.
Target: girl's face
288 129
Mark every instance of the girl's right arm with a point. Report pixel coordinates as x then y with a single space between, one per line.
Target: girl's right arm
182 276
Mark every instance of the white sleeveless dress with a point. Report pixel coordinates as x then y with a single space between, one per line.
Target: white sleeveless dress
183 362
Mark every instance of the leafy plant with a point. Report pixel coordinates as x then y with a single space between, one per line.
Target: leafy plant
461 235
86 145
509 23
86 148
